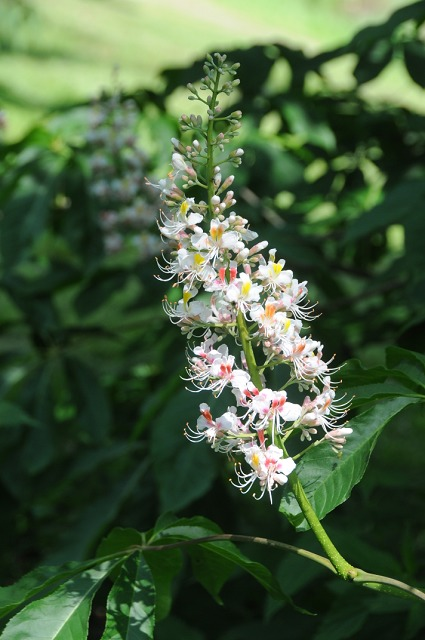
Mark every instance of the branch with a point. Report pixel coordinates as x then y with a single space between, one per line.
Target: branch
369 580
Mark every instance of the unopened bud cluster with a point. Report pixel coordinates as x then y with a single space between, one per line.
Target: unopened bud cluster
236 299
127 210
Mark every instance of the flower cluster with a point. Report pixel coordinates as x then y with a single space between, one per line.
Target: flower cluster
233 292
127 210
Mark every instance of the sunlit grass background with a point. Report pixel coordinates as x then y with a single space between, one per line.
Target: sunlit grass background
54 53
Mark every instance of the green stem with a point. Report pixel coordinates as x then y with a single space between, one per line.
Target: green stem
364 579
210 151
343 568
248 350
231 537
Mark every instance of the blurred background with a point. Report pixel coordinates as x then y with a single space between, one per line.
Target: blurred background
53 54
92 407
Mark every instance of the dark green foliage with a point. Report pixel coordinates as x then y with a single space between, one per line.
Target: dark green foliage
92 409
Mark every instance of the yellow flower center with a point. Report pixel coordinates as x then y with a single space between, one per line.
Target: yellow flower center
276 268
246 287
216 232
184 207
198 259
255 460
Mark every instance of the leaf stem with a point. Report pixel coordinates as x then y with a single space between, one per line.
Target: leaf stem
369 580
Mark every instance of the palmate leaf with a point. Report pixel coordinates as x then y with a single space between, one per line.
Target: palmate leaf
131 602
64 613
327 479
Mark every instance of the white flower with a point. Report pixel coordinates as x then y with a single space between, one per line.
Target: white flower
268 467
221 433
271 408
242 291
270 322
180 221
272 275
217 241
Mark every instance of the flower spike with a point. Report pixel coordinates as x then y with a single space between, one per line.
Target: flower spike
228 286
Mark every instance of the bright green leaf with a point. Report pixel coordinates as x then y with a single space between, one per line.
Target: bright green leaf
63 614
40 579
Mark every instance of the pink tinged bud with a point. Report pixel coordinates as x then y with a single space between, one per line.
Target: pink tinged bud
258 247
228 182
337 436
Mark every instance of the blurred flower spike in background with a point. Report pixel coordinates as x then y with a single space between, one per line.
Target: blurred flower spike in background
127 208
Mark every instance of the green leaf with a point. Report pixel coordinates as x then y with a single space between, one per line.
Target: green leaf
414 59
118 540
373 61
328 479
410 363
344 619
210 569
93 410
376 382
131 602
13 416
175 459
164 566
40 579
63 614
93 519
309 127
102 286
398 205
173 628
